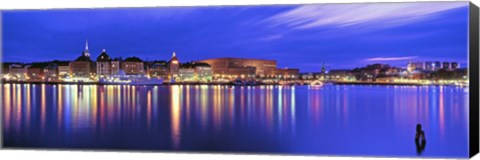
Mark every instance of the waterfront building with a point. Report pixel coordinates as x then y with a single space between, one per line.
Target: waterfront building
242 67
287 73
104 64
446 66
173 66
339 75
51 72
36 71
195 71
62 67
429 66
158 70
410 66
186 74
18 71
133 66
116 65
311 75
203 72
455 65
419 66
83 66
437 65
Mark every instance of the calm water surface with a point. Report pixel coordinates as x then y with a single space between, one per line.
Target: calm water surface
332 120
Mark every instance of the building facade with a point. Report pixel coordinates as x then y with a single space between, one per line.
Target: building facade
104 64
158 70
241 67
287 73
133 66
83 66
173 66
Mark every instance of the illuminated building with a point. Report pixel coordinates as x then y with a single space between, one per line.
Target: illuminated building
63 68
203 72
186 74
104 64
195 71
133 66
339 75
83 66
287 73
51 71
36 71
173 66
446 66
242 67
116 65
455 65
158 69
437 65
19 71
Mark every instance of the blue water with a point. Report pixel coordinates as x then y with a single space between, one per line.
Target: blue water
331 120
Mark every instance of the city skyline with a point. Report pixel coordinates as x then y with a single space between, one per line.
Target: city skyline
284 33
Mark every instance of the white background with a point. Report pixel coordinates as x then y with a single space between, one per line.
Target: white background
87 155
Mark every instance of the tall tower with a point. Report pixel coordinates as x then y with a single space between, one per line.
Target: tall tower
324 70
174 65
86 53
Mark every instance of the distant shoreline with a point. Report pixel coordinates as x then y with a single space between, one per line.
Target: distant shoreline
228 84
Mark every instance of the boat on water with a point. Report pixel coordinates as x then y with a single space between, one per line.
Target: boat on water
122 78
316 84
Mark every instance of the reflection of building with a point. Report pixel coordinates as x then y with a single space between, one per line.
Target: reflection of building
287 73
103 64
173 66
83 66
133 65
241 67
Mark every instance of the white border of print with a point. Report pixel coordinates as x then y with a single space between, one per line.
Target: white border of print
83 155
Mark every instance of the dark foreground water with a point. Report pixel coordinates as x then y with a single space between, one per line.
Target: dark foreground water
332 120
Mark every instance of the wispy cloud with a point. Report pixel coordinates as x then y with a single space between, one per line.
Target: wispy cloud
391 58
311 16
271 37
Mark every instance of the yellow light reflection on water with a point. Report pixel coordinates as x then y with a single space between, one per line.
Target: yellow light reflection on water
28 104
18 98
149 108
232 106
175 115
187 105
43 107
7 106
59 106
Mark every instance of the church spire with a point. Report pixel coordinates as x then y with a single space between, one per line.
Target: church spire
174 55
86 53
86 45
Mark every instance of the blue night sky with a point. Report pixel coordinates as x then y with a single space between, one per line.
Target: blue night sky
342 36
